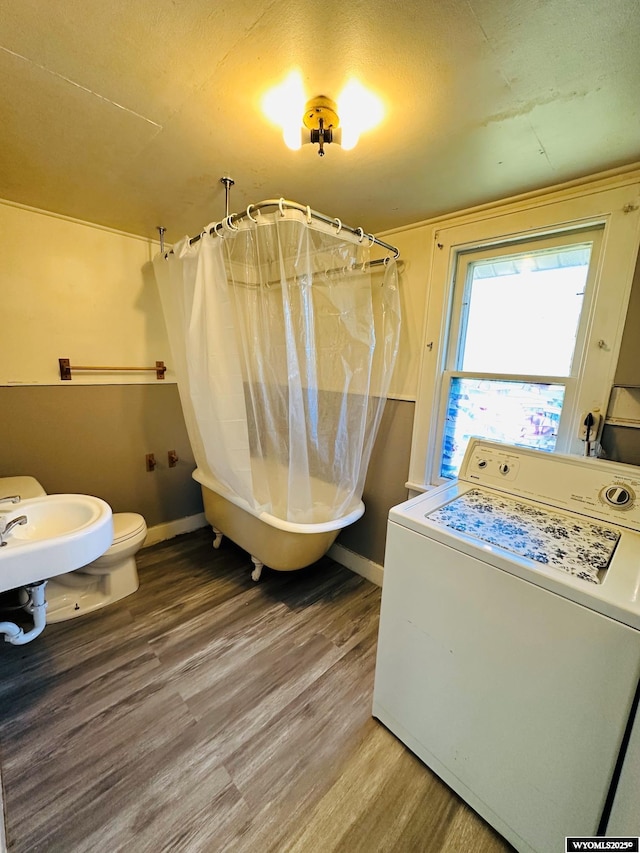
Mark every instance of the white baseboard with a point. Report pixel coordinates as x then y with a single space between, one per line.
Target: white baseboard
349 559
169 529
357 563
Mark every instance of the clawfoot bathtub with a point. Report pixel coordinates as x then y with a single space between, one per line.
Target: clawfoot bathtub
281 545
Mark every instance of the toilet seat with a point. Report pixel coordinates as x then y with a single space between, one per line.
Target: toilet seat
129 532
126 525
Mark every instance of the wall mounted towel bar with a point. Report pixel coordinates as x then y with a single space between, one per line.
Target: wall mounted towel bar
66 368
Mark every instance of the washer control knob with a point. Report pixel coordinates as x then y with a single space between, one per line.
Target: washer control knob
482 463
617 496
504 468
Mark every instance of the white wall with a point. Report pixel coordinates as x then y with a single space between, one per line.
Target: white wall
74 290
414 246
77 291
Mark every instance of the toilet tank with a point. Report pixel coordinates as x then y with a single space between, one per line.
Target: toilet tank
26 487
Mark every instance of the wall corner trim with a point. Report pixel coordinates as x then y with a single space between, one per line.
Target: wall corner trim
357 563
169 529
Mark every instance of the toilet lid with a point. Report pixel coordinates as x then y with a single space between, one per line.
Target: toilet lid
26 487
126 525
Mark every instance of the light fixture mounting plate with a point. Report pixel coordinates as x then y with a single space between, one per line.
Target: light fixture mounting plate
318 108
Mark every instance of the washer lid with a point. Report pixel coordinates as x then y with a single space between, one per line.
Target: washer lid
578 546
127 525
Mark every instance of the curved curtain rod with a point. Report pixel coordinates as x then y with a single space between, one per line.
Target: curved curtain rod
281 203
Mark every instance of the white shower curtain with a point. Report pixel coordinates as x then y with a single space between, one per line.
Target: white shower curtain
283 342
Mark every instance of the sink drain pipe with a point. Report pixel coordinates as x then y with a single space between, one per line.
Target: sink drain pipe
37 606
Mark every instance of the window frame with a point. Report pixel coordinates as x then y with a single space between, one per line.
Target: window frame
614 210
458 321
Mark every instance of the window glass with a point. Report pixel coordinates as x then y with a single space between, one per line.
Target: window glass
516 412
520 314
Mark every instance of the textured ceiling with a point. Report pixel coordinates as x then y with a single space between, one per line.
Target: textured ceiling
127 114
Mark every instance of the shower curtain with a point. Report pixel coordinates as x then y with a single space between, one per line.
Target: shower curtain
283 341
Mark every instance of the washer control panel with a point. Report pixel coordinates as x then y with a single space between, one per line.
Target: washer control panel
501 465
606 490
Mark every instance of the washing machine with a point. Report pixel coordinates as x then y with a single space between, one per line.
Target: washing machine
509 645
624 816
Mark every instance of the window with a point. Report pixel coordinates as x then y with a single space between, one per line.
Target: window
514 343
524 319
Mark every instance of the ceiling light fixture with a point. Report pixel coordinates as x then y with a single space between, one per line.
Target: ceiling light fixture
323 120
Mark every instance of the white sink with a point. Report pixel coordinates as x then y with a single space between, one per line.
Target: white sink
62 533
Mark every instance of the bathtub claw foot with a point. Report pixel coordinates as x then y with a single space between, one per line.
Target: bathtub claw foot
217 537
257 569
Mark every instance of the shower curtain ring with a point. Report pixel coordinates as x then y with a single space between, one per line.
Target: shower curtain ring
308 215
281 206
360 234
372 240
252 218
229 224
208 229
217 226
339 225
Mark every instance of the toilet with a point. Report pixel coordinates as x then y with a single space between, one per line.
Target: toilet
111 577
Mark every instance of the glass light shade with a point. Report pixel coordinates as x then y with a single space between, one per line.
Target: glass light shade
284 105
292 135
350 135
359 110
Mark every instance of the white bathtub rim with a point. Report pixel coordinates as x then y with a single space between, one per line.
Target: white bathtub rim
272 520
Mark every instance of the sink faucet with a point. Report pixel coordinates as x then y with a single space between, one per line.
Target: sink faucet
14 499
7 526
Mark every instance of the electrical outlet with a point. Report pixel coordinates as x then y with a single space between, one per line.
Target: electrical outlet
594 429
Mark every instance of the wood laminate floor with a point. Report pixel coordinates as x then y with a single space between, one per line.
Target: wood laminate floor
209 713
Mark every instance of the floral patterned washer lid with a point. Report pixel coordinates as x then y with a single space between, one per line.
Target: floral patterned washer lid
578 547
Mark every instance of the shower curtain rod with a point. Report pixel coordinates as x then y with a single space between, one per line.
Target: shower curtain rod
230 221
